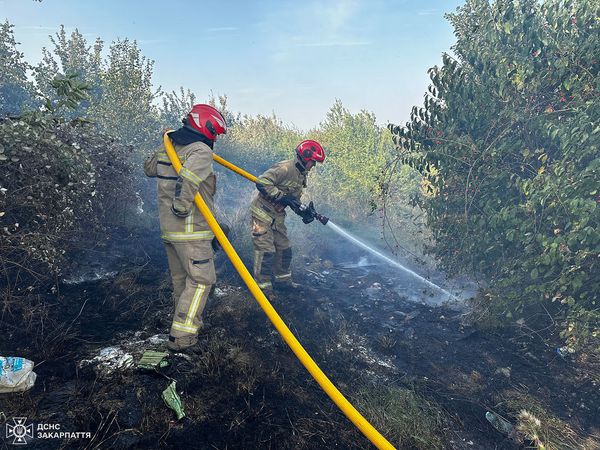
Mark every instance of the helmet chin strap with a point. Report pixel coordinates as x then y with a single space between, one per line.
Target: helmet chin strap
301 165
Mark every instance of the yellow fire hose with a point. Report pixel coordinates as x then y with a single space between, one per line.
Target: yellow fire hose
234 168
357 419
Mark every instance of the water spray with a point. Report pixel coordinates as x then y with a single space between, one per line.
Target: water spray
387 259
308 214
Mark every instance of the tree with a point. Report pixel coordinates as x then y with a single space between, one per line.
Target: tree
507 142
16 92
176 107
75 59
126 108
120 97
357 152
256 142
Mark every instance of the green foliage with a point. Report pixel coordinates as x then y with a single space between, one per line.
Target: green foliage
256 142
16 92
127 108
507 142
176 107
53 189
358 150
45 187
70 92
120 96
75 59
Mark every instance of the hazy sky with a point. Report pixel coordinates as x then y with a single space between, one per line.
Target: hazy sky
293 58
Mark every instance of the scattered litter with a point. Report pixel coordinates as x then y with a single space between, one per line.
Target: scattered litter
120 356
172 400
373 289
504 371
108 361
499 423
152 360
158 339
220 292
563 352
16 374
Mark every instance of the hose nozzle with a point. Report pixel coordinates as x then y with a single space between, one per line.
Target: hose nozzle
322 219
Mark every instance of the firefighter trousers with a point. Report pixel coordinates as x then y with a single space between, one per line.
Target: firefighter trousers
193 274
272 252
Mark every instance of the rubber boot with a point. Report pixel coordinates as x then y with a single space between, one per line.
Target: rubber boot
282 270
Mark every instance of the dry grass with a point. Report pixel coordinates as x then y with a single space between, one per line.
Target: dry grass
386 341
405 418
539 427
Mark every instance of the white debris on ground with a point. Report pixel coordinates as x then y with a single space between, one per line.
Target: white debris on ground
358 346
120 357
504 371
374 290
224 291
140 203
158 339
16 374
108 361
90 276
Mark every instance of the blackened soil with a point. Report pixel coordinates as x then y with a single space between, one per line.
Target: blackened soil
245 389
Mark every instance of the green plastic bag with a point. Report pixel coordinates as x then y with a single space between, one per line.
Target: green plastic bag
152 360
173 401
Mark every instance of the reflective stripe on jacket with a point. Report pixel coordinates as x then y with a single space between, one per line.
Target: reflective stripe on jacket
177 191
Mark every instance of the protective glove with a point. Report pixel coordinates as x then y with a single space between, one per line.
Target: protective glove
308 212
215 243
306 218
289 200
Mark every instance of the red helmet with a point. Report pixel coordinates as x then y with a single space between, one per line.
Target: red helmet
310 150
206 120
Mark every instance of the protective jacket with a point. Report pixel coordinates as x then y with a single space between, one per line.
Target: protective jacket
284 178
180 220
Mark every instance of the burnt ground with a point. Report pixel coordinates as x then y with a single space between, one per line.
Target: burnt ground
245 388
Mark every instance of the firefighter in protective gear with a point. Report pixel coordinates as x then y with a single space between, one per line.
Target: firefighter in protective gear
279 187
184 231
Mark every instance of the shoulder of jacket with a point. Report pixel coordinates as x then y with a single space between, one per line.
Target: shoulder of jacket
277 165
198 146
193 147
288 163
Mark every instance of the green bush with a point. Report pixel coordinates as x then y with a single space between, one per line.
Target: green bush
58 182
507 142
